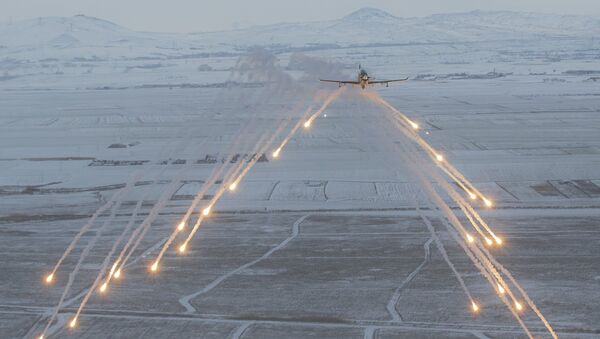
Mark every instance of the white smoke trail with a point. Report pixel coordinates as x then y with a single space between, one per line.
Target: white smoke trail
82 257
442 250
417 169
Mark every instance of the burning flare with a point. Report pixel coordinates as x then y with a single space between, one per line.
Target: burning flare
518 306
73 323
487 202
233 186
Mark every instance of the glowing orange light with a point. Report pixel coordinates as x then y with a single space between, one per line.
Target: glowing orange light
50 277
501 289
181 226
73 323
182 248
474 306
472 196
498 240
206 211
154 267
518 306
276 153
117 274
103 287
488 241
307 124
487 202
470 238
439 157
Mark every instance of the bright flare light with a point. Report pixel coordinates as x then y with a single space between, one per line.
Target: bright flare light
41 336
501 289
498 240
103 287
414 125
487 202
206 211
233 186
472 195
182 248
181 226
488 241
474 306
276 153
307 124
470 238
117 274
518 306
439 157
154 267
73 323
50 277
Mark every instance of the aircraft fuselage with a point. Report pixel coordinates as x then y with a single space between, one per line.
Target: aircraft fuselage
363 79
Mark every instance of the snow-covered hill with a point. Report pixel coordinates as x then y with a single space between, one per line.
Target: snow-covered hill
83 36
369 25
68 32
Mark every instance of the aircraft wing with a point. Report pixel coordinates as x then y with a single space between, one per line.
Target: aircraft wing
340 82
372 82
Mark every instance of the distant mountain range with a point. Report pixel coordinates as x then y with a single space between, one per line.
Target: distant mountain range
370 25
59 35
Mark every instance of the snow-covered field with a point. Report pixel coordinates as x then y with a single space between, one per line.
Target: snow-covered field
325 240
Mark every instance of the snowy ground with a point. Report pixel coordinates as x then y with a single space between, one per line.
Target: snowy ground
324 241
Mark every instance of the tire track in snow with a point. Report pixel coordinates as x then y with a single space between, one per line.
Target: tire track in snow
480 335
240 331
370 332
185 300
391 306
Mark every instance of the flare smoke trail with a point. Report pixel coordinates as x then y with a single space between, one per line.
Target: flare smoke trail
325 105
475 256
237 180
82 257
201 215
87 226
442 250
329 99
446 213
106 261
490 262
435 155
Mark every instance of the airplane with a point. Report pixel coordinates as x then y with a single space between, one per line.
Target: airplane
363 80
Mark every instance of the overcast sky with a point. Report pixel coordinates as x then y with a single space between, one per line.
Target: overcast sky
205 15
